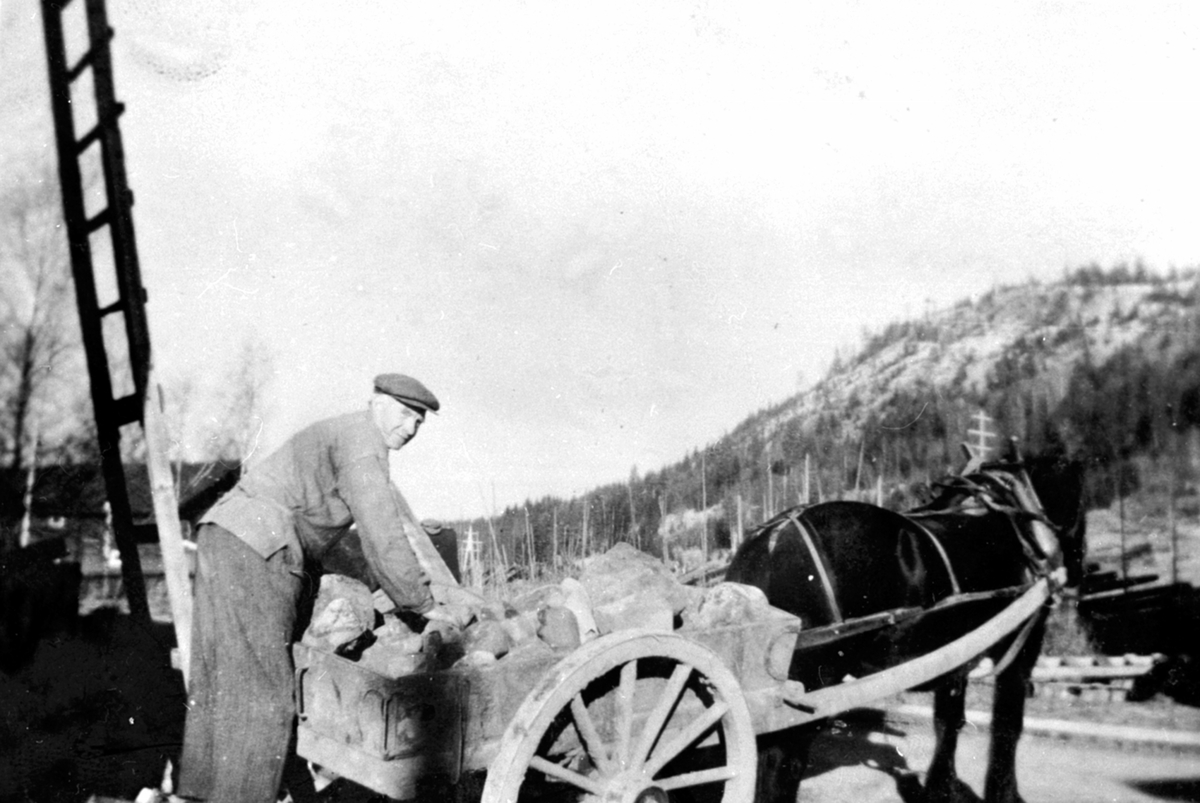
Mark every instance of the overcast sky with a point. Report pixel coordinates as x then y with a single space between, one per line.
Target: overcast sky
604 234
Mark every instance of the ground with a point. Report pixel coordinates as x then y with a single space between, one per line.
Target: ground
874 756
99 711
96 711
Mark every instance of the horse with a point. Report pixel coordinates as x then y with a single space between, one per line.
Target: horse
998 525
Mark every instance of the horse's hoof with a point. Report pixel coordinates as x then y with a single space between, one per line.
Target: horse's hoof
950 791
1013 798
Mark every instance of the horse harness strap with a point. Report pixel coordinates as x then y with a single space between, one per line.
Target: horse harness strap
941 550
1018 643
1034 554
986 496
819 562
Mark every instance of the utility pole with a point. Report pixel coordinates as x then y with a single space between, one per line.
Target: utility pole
806 498
981 449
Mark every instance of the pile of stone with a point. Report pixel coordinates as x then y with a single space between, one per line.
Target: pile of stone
621 589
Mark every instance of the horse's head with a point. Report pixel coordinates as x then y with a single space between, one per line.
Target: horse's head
1059 483
1044 499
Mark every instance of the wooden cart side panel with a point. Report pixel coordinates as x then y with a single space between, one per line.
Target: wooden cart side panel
493 695
385 733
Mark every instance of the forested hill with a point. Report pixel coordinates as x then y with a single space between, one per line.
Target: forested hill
1103 364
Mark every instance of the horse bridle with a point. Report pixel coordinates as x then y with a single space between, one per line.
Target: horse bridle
984 489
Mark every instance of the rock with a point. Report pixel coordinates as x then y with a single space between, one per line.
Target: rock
460 616
487 635
339 586
727 604
577 600
442 642
395 660
336 629
382 602
343 616
458 595
522 628
530 650
478 659
558 628
647 611
624 571
497 611
395 635
538 598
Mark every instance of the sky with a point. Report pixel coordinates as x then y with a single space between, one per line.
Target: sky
604 234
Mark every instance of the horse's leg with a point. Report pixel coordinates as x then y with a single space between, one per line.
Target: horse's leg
781 760
942 784
1008 716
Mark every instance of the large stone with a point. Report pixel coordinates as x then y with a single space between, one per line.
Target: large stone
559 628
530 650
480 659
522 628
487 635
339 586
459 595
624 571
576 599
442 643
396 658
343 616
645 611
536 599
396 635
727 604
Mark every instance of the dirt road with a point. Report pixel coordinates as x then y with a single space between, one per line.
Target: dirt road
870 758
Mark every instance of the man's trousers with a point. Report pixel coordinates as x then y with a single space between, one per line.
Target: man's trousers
241 708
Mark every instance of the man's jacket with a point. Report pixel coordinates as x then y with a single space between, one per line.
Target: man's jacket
306 495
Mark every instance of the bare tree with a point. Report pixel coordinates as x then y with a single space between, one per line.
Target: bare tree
41 374
226 426
246 410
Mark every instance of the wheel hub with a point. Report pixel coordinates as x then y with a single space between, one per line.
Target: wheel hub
651 794
633 787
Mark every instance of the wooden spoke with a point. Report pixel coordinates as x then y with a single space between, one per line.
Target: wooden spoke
661 713
689 734
699 778
624 723
563 774
590 736
604 674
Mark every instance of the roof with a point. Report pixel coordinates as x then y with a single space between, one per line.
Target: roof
77 490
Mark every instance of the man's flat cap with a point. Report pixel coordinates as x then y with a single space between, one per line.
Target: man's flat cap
406 390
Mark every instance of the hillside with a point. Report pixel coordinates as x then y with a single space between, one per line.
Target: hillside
1102 364
1032 332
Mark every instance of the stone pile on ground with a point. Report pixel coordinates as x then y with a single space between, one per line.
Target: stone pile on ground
621 589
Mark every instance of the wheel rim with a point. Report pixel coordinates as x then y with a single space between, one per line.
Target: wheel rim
632 717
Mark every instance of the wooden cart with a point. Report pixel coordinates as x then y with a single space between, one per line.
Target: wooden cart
629 716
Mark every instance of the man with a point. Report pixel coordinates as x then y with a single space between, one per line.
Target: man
254 550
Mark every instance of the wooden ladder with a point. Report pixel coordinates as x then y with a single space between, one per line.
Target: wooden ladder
129 361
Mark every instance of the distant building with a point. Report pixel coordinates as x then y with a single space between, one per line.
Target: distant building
69 500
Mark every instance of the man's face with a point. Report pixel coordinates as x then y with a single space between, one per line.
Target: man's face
397 421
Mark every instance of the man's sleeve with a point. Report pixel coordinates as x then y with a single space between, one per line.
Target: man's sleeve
364 485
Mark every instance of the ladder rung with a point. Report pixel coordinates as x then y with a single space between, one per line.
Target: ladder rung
98 221
127 409
116 306
87 58
106 121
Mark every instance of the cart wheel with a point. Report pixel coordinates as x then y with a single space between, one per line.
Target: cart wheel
632 717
